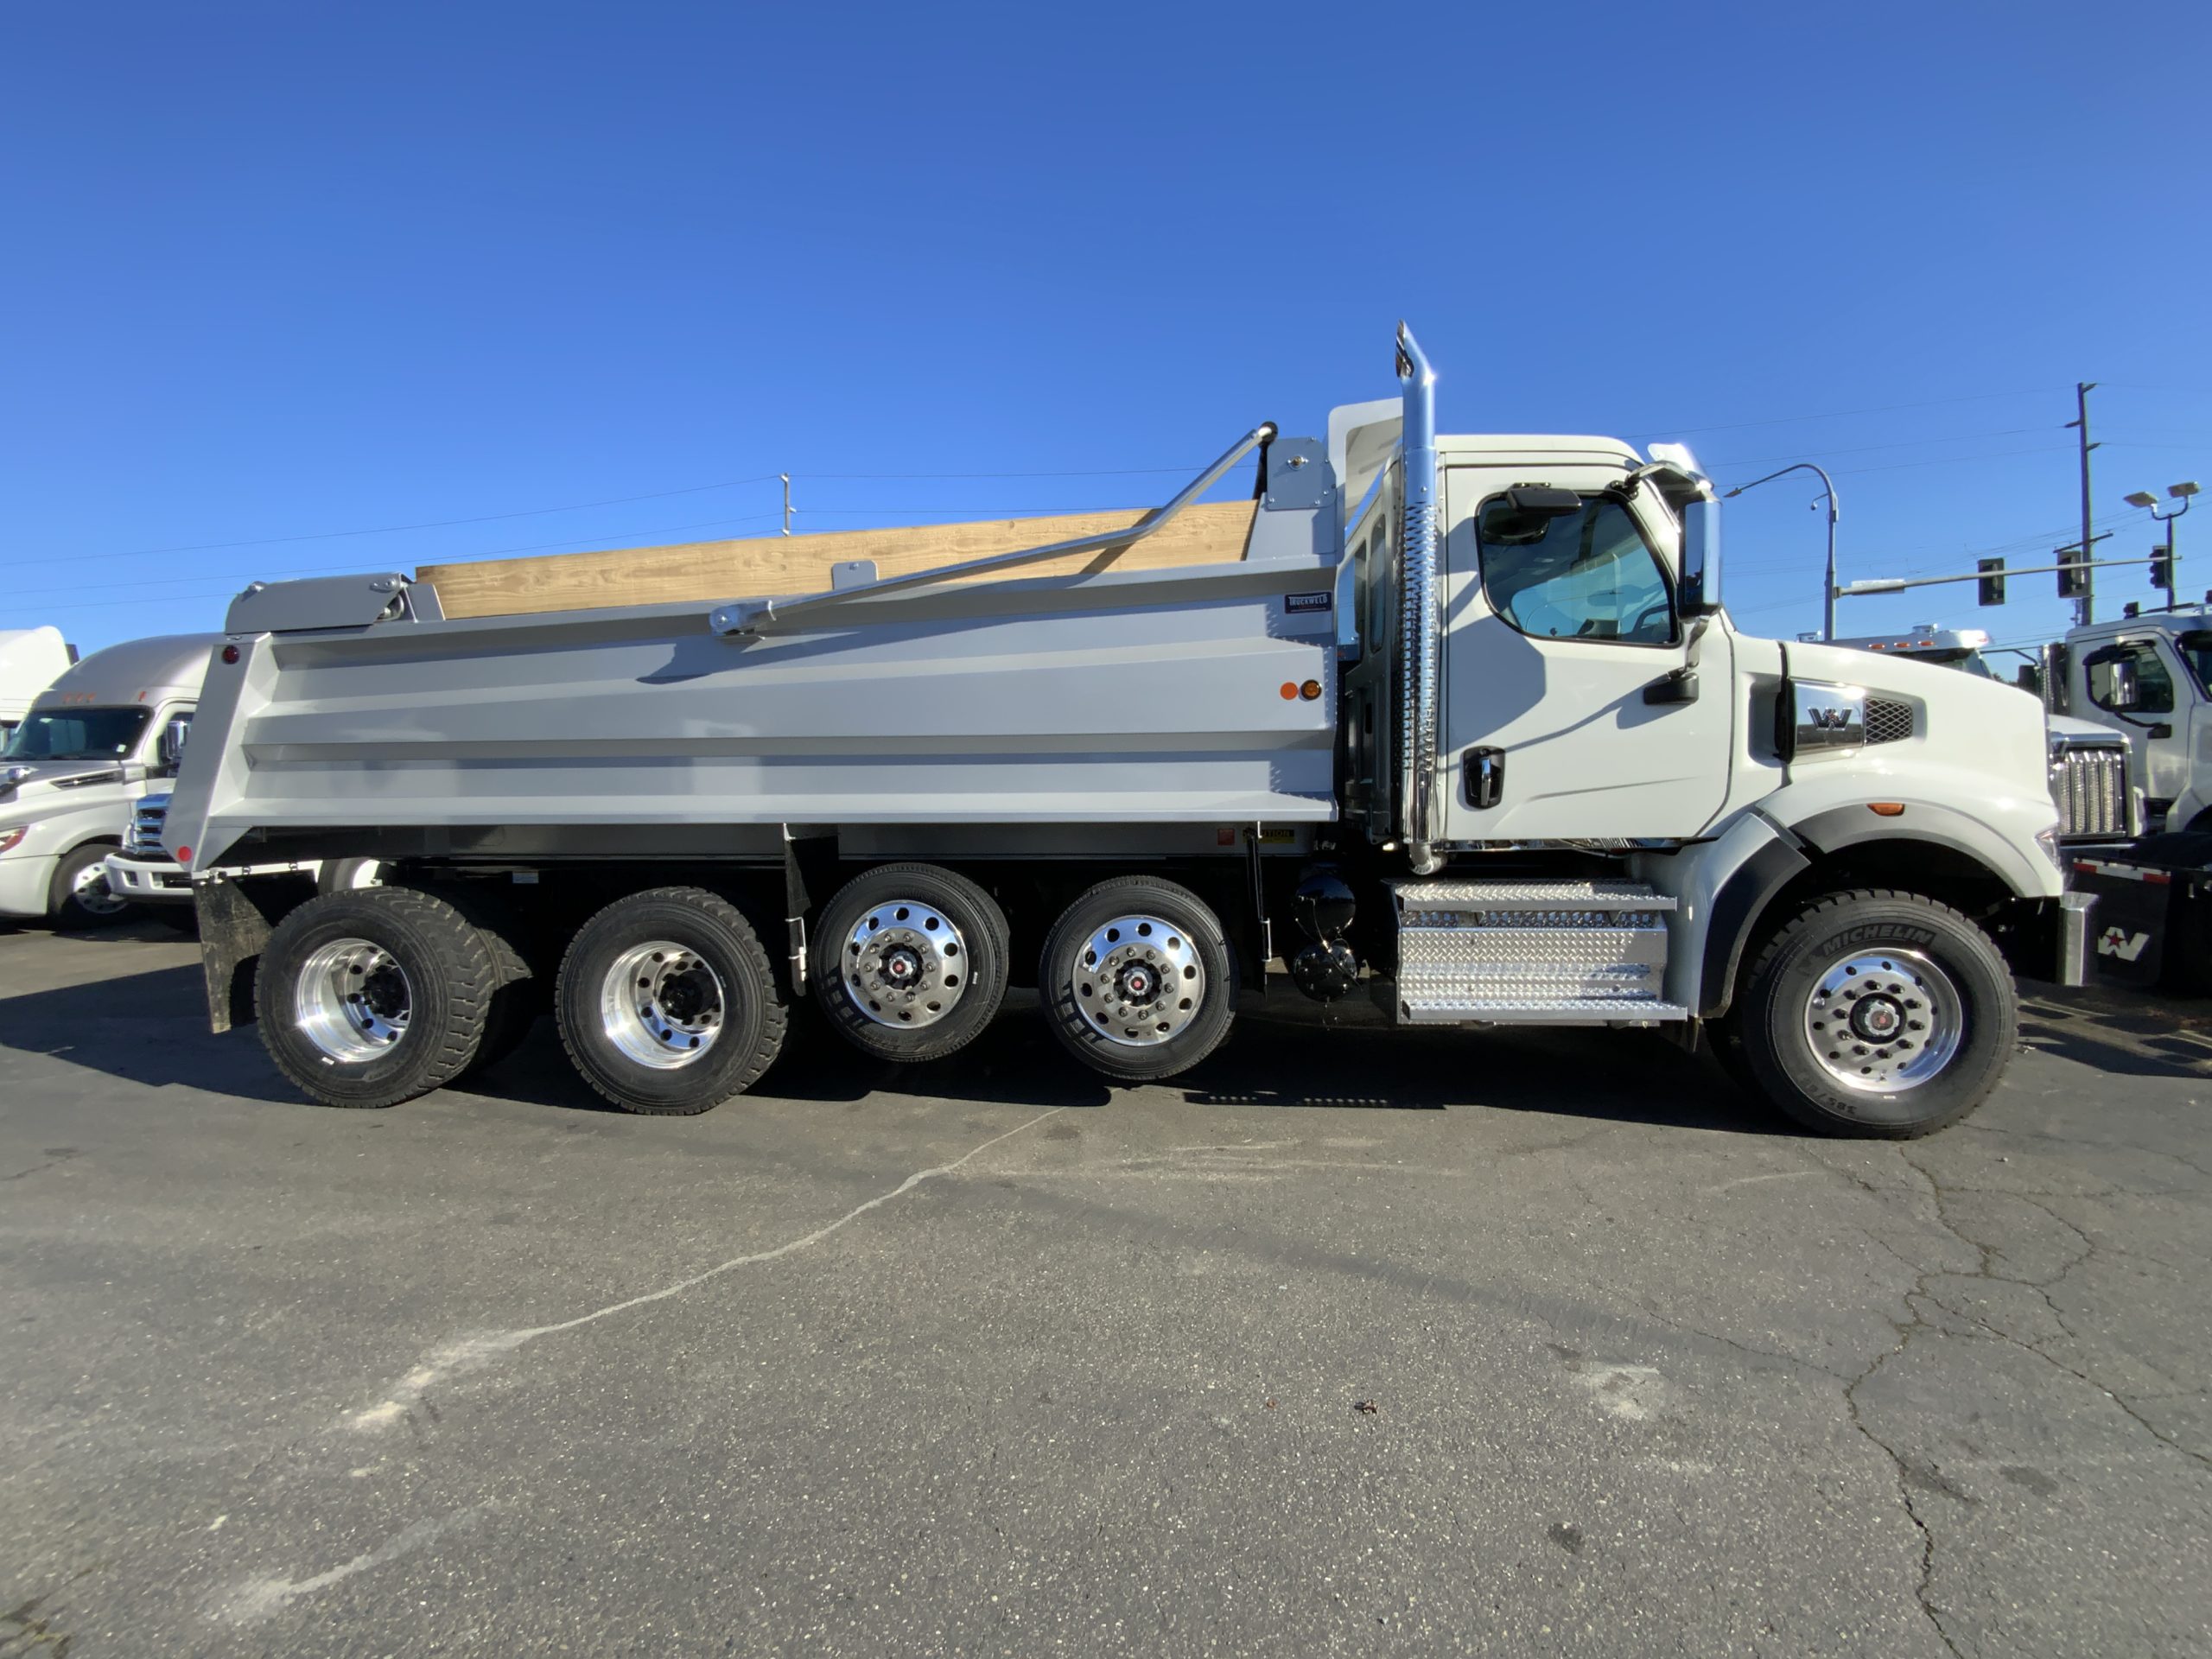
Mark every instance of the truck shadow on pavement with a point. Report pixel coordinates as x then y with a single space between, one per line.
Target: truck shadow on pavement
148 1028
151 1028
2126 1033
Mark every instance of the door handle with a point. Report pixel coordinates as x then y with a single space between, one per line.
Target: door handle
1680 686
1486 776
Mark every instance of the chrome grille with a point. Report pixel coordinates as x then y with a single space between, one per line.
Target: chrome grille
2090 787
1887 721
143 838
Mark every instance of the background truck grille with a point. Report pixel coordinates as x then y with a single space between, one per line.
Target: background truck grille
1888 721
2090 787
143 838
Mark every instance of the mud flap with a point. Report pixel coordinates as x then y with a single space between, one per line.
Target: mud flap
2135 908
235 919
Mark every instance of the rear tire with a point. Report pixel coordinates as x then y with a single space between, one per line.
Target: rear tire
1136 979
667 1003
1877 1015
367 998
518 995
909 961
80 898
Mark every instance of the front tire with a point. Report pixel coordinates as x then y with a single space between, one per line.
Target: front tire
1877 1014
1136 979
367 998
667 1003
80 898
910 962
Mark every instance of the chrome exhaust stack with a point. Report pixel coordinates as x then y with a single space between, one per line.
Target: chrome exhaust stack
1422 621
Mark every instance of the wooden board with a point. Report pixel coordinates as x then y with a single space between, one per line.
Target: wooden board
1208 533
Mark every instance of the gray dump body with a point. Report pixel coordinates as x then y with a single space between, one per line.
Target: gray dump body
1152 697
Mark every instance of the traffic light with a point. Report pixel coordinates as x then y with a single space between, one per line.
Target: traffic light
2073 573
2162 567
1992 586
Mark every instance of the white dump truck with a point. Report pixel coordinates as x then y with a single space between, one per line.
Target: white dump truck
1459 724
91 743
30 660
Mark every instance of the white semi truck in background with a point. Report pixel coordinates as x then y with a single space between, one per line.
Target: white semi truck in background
1459 723
88 748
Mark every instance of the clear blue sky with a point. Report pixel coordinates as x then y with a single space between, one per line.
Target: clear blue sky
275 270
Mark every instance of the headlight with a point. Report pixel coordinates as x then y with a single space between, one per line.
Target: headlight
2048 840
11 839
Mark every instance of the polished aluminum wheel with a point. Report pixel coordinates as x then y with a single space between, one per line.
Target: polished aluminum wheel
352 1001
661 1005
906 964
91 890
1138 981
1884 1021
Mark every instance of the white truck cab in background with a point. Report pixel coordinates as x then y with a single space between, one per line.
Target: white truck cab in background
2145 677
86 751
30 660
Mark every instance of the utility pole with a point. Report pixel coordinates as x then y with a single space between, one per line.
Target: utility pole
2085 606
786 477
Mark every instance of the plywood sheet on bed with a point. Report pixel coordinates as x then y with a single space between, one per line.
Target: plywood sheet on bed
1206 533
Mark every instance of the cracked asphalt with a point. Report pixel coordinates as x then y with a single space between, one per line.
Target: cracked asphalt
1347 1343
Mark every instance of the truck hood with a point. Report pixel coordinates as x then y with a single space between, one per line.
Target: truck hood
26 780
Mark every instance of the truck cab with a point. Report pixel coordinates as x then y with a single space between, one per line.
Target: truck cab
108 730
2145 677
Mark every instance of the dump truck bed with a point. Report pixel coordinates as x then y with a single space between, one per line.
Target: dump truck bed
1102 694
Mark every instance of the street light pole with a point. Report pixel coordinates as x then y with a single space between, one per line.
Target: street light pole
1827 592
2182 492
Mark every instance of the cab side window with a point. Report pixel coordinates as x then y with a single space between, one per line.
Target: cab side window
1578 574
2154 682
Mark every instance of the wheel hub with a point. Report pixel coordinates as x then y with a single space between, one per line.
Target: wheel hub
1139 981
1885 1022
662 1005
906 964
352 1001
91 890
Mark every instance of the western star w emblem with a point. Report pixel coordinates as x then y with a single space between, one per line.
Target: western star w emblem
2119 941
1829 720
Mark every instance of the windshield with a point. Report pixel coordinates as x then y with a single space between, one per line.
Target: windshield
2196 651
78 735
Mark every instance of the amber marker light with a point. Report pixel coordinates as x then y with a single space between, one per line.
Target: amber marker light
1309 691
1886 809
1290 690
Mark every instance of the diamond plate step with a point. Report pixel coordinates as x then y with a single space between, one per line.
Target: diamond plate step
1532 953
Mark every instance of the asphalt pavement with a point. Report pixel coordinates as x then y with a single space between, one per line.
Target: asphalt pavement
1346 1343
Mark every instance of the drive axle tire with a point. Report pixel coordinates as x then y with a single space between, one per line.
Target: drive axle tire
1136 979
80 896
1877 1015
667 1003
909 961
370 998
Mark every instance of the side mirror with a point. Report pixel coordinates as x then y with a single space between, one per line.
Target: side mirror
1701 584
2029 677
173 737
2119 691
